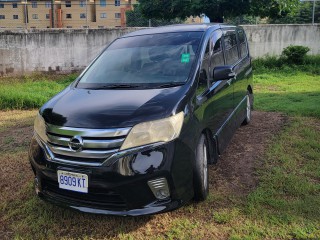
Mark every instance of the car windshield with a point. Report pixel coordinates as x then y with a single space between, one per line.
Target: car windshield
157 60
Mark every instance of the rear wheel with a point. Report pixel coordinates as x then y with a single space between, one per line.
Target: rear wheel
201 183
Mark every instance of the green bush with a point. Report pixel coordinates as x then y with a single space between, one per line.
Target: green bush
310 65
295 54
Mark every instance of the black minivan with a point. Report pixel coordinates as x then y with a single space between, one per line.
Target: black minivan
135 132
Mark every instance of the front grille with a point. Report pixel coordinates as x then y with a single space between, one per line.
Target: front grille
98 144
96 197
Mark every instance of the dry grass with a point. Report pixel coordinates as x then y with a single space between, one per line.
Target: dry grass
229 212
16 118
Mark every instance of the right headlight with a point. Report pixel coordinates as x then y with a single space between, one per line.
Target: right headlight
40 127
163 130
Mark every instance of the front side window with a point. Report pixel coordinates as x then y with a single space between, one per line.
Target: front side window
117 15
216 56
15 17
47 16
1 5
34 4
203 74
68 3
14 5
2 17
48 4
117 2
34 16
231 47
144 61
103 15
68 15
82 15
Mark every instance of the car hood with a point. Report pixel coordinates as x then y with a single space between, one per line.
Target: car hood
114 108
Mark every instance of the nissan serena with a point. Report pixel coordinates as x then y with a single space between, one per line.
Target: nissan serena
135 132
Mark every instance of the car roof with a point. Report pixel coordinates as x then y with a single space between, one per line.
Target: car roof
178 28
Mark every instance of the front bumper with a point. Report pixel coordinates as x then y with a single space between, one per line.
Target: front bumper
121 188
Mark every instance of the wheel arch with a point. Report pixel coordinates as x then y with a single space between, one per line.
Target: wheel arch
213 145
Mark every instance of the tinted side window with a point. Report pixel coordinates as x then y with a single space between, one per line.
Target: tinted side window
217 58
230 42
242 43
203 76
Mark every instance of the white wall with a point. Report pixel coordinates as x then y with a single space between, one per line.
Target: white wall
73 49
272 39
52 50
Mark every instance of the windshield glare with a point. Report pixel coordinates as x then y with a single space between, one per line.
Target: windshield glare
147 60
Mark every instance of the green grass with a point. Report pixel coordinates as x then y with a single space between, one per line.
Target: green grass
288 196
31 91
295 93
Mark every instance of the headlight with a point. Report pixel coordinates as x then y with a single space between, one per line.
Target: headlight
163 130
40 127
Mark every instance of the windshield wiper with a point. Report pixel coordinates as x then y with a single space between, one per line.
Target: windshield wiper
114 86
174 84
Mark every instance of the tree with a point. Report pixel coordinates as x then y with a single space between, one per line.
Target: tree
302 14
136 19
216 10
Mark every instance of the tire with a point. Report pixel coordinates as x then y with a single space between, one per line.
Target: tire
249 107
213 150
201 183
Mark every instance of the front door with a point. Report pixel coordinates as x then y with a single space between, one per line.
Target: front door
214 98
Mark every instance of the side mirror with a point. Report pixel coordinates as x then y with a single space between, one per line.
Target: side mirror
223 73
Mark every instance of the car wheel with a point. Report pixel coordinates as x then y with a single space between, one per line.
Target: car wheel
201 183
248 110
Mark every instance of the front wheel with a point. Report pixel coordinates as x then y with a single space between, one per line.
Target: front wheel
248 110
201 183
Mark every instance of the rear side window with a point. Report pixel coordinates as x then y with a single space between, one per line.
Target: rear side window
230 43
242 43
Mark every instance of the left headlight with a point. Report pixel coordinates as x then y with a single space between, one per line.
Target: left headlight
163 130
40 127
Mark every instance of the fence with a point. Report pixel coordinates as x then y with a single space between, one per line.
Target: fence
113 13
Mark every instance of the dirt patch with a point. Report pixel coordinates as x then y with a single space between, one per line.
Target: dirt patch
15 138
235 170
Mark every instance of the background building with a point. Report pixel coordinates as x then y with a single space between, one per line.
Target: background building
67 13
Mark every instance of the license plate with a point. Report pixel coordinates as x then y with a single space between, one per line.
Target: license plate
73 181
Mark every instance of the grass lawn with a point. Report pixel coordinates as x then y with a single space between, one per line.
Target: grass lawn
295 93
285 204
31 91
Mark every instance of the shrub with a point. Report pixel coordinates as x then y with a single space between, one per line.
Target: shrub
295 54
